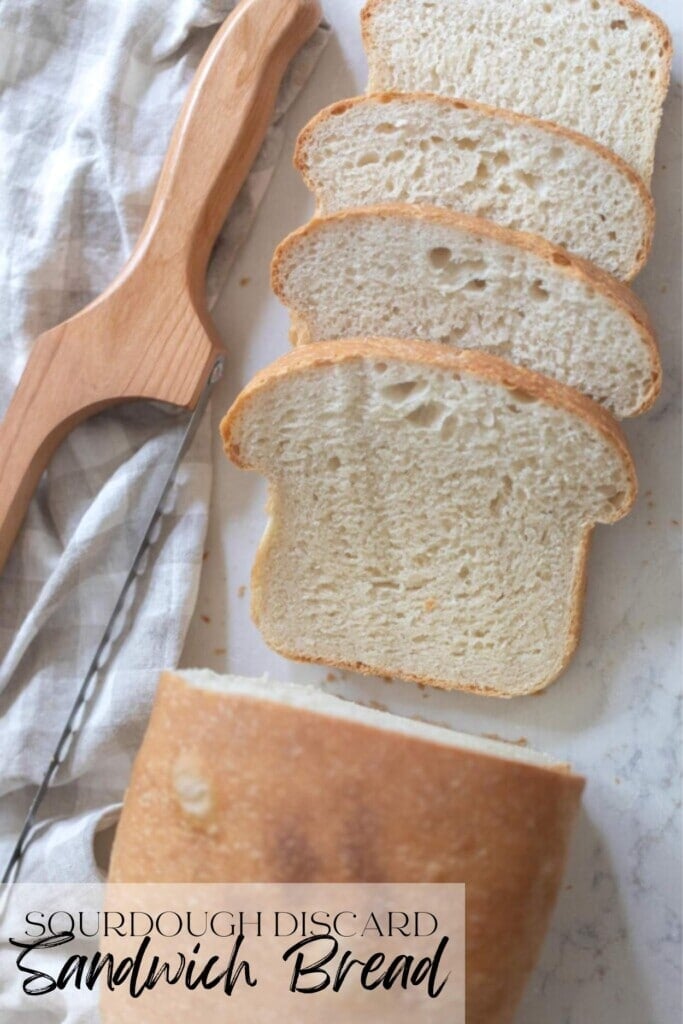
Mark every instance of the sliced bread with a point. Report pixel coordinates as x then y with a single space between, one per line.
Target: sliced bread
430 511
420 273
247 780
519 172
600 67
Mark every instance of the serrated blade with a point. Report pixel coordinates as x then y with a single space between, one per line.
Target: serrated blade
105 648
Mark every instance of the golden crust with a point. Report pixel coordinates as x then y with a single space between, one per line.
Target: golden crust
512 117
327 799
420 353
564 262
659 26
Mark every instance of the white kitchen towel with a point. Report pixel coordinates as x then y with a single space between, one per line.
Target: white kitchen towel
90 90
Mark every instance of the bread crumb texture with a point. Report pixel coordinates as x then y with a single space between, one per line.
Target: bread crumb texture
518 172
600 67
407 273
478 584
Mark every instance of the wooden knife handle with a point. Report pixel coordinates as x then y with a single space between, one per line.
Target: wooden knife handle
221 128
149 335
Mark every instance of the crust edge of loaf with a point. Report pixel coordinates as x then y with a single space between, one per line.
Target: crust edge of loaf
477 364
564 262
302 164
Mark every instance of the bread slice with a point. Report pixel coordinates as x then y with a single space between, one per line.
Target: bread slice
514 170
420 273
600 67
343 793
430 511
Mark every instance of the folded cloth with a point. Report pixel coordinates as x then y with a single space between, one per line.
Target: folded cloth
90 90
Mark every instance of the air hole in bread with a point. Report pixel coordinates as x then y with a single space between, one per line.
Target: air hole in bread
448 428
455 335
395 156
501 159
398 393
561 260
538 292
438 140
538 41
482 171
381 367
426 415
386 128
468 144
530 180
367 158
617 500
522 397
440 257
476 285
334 463
619 23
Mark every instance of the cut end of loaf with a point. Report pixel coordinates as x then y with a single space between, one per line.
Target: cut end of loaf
315 701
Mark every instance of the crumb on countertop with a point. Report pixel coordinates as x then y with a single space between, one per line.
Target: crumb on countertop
241 591
220 650
244 281
205 618
521 742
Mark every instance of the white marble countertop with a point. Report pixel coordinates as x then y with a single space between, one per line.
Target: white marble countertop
613 955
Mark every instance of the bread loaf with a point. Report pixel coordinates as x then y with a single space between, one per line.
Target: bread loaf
599 67
253 781
514 170
430 511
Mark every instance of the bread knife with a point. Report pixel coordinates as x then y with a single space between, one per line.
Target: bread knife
149 335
